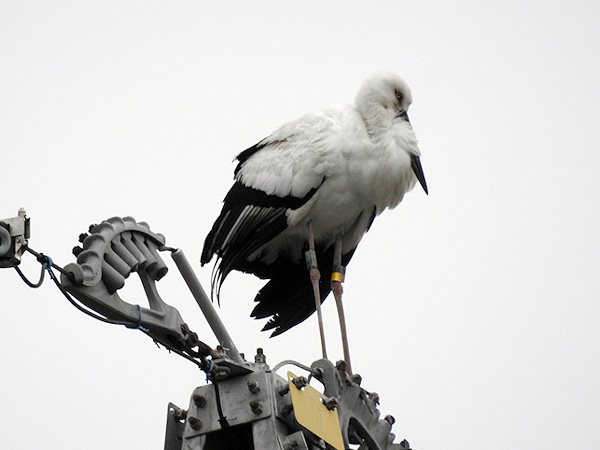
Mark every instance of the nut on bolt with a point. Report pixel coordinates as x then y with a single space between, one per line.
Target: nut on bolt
330 403
253 386
260 356
300 382
179 414
287 410
290 445
195 423
199 400
374 396
256 407
390 419
284 389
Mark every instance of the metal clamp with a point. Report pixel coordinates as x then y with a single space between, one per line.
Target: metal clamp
111 252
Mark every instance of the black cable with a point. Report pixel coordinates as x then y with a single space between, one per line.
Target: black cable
43 258
222 419
227 431
29 283
48 265
81 308
179 352
126 324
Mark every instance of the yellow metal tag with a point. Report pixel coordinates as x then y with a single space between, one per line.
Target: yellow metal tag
313 415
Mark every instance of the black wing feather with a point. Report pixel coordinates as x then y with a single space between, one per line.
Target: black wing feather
249 219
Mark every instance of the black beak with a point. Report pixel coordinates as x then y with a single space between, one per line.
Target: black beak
415 163
403 115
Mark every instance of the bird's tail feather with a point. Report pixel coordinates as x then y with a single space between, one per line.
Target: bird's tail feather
288 297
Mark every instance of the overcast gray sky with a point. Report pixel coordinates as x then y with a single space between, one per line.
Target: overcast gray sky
473 311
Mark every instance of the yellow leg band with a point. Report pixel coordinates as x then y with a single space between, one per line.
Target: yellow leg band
337 276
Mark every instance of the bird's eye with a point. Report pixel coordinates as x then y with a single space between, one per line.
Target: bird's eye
399 96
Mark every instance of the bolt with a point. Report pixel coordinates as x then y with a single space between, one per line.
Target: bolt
341 366
287 410
330 403
195 423
82 237
284 389
375 397
179 414
260 356
356 379
256 407
253 386
289 445
199 400
300 382
390 419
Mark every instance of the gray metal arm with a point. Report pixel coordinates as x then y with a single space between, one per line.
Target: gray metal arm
205 304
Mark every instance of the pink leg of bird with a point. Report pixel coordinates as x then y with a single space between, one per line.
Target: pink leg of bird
315 277
337 277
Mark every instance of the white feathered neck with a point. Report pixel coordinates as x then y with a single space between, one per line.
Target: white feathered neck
375 104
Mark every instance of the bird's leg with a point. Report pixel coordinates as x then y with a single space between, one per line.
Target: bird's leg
315 277
337 277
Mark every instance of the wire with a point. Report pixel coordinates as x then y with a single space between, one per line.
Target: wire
209 370
43 258
48 265
126 324
225 426
222 419
139 324
29 283
85 311
202 362
294 363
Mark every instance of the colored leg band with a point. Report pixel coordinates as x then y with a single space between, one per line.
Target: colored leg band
338 273
336 276
311 259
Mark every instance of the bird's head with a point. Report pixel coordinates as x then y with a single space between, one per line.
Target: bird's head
382 98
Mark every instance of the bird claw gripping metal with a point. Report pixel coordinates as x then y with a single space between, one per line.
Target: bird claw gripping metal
112 251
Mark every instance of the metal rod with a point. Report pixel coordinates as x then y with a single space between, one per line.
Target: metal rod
205 304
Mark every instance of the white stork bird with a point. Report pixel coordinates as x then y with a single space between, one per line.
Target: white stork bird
338 169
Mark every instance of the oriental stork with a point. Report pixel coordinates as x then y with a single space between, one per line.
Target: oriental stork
322 178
